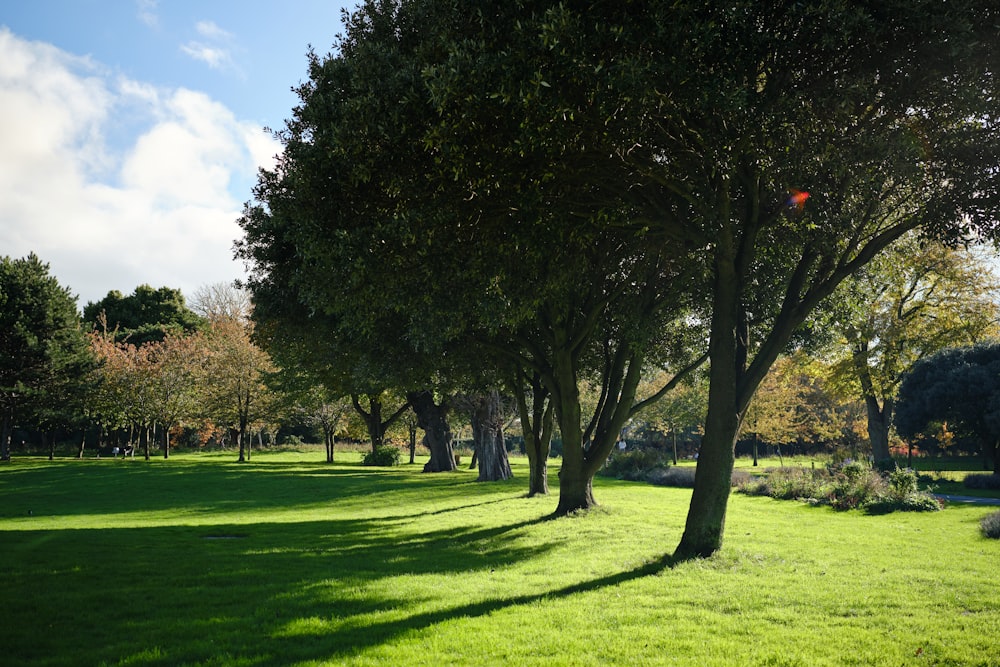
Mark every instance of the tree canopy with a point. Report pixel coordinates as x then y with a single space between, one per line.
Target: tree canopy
147 314
43 352
959 386
576 186
913 300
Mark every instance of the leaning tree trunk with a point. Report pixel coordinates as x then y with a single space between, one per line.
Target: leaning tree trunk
487 432
706 518
432 418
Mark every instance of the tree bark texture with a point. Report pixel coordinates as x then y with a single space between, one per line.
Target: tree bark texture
433 419
487 432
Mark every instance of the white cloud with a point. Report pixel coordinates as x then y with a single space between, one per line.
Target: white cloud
210 30
146 10
157 208
213 56
215 48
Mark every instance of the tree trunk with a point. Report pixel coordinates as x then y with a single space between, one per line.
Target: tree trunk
432 418
706 518
487 433
575 484
372 418
331 439
166 440
619 382
878 429
48 440
878 415
83 444
536 428
234 435
990 458
413 442
576 491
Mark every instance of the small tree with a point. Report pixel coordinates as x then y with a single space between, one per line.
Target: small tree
233 378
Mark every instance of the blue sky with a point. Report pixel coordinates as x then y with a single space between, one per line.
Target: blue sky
131 130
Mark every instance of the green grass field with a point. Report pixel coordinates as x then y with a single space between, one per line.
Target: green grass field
288 561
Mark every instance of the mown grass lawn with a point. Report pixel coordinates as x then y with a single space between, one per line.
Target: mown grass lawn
285 560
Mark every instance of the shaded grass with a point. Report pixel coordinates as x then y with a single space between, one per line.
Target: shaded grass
198 560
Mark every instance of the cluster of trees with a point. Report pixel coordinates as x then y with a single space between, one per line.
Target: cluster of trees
208 373
591 208
544 194
141 368
132 365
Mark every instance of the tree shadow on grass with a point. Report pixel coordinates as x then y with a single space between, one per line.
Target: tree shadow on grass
183 594
354 637
226 591
109 487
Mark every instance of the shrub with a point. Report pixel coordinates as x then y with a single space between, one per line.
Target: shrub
386 455
982 481
990 525
915 502
794 483
903 483
845 487
851 492
677 477
855 470
634 465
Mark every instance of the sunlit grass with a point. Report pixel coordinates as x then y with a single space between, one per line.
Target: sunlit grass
285 560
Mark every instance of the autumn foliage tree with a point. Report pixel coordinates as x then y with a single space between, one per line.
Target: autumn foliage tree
914 300
234 378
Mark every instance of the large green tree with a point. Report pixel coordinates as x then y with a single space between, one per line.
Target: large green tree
959 386
602 169
884 112
147 314
379 205
43 351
